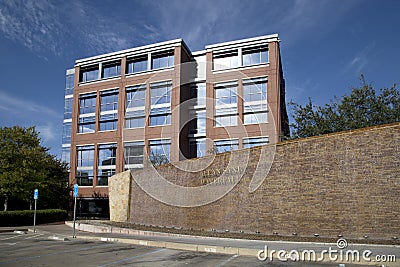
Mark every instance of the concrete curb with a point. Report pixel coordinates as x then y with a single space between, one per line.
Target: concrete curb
252 252
58 238
20 232
209 249
10 230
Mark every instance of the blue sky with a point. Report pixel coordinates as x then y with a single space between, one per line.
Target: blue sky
325 44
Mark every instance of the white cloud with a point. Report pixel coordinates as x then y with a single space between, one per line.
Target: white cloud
21 107
47 132
360 60
23 112
59 27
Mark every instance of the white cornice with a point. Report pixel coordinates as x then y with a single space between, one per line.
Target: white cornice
130 52
243 42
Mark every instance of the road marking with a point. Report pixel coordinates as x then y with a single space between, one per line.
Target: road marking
10 237
131 258
34 236
228 260
7 244
55 253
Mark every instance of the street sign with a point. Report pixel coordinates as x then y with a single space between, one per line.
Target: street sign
35 194
76 187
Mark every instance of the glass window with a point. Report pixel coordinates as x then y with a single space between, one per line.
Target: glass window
136 96
201 122
137 64
87 124
106 163
226 104
255 55
160 116
69 84
255 100
85 162
133 154
198 93
89 73
228 120
135 106
111 69
226 145
197 147
226 93
68 108
108 122
160 103
109 110
67 129
65 154
225 60
255 141
159 151
135 119
109 100
161 93
255 118
87 114
162 60
87 103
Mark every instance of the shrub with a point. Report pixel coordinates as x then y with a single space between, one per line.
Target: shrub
25 217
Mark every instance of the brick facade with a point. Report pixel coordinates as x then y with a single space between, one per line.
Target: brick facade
339 184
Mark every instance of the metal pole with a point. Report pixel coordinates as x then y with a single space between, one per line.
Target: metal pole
34 219
73 233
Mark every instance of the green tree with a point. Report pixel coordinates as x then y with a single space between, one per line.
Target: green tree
364 107
25 165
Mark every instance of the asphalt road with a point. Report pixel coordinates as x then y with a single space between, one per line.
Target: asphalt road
38 249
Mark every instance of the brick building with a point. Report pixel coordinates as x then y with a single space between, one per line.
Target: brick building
163 103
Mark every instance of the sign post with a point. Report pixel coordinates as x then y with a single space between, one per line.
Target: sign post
35 197
76 188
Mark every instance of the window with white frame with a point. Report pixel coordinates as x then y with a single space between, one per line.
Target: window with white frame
135 106
255 100
160 113
133 155
226 145
67 129
65 154
85 163
87 113
226 104
109 110
69 84
111 69
197 147
225 60
159 151
255 55
137 64
198 94
68 107
255 141
89 73
162 60
106 163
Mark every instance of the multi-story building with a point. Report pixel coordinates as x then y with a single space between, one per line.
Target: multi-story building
162 102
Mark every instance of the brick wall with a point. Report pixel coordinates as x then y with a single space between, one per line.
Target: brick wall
345 183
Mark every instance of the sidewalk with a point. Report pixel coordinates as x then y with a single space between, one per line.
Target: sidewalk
214 245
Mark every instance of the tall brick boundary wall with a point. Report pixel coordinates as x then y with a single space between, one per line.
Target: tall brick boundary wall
339 184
